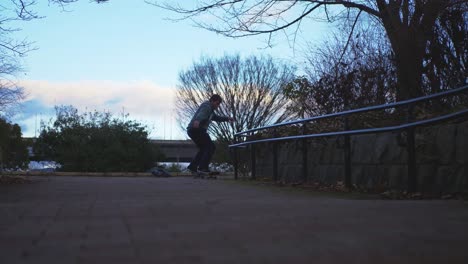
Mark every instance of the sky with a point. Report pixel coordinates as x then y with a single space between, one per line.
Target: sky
123 57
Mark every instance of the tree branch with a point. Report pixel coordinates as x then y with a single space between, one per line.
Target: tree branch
349 37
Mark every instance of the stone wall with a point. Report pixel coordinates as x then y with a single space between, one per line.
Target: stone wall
379 161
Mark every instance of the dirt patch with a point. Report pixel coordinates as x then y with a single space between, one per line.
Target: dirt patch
339 190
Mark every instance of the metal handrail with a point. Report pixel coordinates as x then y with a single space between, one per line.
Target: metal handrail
409 126
359 131
360 110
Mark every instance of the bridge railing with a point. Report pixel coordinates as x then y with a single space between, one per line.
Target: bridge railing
250 138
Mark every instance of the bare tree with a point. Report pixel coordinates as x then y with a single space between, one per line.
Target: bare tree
13 50
251 89
364 75
447 63
24 9
408 24
10 96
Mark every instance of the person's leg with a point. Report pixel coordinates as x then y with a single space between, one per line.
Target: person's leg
207 150
194 134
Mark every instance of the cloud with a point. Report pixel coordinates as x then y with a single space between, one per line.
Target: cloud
137 97
144 101
34 107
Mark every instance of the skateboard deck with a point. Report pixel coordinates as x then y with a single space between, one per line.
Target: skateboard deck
211 175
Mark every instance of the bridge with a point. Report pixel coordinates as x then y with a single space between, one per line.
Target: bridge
177 150
173 150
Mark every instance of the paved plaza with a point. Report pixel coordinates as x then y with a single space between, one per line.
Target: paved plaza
144 220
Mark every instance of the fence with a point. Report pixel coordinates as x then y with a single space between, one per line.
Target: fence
250 138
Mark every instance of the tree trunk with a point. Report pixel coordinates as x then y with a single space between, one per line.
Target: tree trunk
408 32
409 54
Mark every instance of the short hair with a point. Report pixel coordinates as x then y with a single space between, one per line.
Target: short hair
216 97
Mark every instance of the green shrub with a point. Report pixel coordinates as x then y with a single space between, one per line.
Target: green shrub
13 150
96 142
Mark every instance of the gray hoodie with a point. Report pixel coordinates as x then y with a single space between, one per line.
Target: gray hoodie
204 114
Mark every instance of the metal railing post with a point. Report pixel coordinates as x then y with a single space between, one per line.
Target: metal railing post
275 157
252 161
236 162
304 154
347 155
410 147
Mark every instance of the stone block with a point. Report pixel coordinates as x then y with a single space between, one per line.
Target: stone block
314 151
446 178
426 178
381 178
328 152
427 153
333 174
370 176
387 150
367 176
289 153
462 178
426 147
264 172
314 173
326 174
362 149
398 177
289 173
445 142
461 141
263 157
382 147
357 173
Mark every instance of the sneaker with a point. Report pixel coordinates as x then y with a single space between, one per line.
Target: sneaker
191 170
208 173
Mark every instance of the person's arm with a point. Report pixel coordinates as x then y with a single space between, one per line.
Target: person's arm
218 118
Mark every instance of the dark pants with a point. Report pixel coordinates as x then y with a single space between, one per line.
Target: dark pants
206 148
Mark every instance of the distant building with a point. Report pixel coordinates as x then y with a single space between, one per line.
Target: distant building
177 150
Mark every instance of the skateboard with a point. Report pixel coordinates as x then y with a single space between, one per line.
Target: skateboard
210 175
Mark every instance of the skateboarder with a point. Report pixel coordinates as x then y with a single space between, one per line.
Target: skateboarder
197 131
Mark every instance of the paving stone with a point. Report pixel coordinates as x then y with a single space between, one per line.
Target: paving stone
184 220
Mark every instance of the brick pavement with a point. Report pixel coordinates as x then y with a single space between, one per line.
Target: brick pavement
143 220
